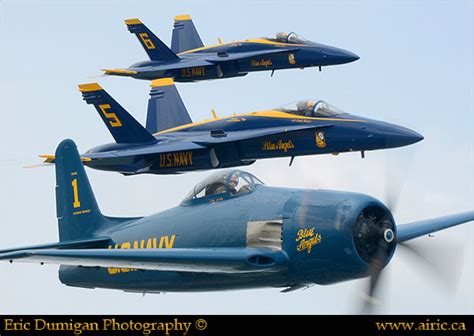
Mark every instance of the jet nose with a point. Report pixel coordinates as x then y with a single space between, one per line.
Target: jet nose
397 136
347 56
412 136
338 56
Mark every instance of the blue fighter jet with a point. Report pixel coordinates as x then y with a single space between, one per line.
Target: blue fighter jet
189 60
230 232
172 143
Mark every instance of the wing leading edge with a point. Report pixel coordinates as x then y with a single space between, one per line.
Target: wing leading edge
205 260
424 227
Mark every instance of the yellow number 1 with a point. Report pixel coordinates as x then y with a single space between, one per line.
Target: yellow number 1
76 203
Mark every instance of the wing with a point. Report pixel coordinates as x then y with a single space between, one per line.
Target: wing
201 140
221 137
214 58
205 260
424 227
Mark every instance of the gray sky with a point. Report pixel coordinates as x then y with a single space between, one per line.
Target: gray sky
416 69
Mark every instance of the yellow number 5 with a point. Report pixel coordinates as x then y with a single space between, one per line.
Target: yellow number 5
114 121
146 39
76 203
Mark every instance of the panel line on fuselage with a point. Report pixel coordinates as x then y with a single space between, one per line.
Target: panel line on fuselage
256 41
264 114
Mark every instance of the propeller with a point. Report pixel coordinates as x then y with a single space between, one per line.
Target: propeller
443 263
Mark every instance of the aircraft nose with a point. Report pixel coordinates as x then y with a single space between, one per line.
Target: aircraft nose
347 56
339 56
398 136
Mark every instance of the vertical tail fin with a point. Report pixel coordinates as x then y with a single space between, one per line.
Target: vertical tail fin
165 107
78 214
185 36
154 47
123 127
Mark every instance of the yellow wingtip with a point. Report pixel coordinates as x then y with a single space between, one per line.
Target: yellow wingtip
51 158
48 158
182 17
132 21
162 82
118 71
90 87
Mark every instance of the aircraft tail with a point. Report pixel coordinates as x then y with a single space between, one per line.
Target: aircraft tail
79 216
185 36
154 47
165 107
123 127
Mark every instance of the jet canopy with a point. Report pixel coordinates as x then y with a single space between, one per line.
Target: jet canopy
223 185
311 108
291 38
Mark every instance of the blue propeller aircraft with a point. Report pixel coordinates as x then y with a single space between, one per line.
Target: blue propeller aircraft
172 143
189 60
230 232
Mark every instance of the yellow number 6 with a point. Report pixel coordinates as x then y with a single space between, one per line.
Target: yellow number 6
146 39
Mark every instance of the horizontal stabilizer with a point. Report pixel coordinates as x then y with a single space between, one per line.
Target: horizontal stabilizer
165 107
123 127
416 229
185 36
154 47
99 242
149 150
206 260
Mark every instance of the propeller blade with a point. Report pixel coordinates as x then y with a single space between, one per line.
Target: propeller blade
395 175
443 263
372 295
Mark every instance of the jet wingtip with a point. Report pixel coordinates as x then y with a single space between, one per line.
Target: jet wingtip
119 72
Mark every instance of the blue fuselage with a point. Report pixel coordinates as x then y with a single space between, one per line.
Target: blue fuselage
317 229
238 140
220 61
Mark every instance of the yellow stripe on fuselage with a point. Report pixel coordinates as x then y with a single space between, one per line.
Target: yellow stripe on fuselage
264 114
258 41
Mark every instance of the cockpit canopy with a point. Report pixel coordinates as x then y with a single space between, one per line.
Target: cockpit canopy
311 108
223 185
291 38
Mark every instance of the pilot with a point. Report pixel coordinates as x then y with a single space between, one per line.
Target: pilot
233 182
305 108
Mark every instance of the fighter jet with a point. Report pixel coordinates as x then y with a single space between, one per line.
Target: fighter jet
189 60
172 143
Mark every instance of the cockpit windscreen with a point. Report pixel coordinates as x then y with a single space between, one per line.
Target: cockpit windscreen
291 38
311 108
227 184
